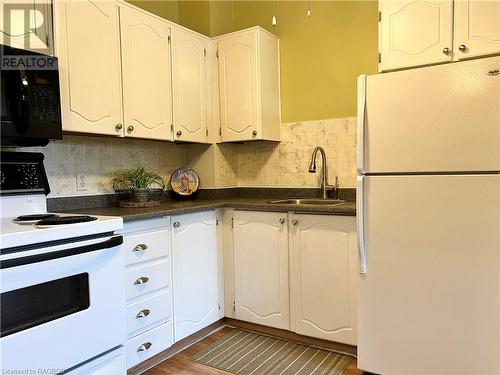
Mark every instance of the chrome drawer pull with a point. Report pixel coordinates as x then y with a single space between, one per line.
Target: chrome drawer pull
140 247
144 347
141 280
143 313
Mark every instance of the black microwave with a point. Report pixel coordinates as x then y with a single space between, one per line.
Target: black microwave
30 109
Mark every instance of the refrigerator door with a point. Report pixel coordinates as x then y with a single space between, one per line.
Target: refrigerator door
429 302
433 119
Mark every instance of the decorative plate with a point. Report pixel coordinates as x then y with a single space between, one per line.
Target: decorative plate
184 181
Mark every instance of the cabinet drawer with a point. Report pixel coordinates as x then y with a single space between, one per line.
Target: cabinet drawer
142 247
147 278
148 344
148 311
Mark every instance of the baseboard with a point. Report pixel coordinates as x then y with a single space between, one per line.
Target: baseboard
177 348
291 336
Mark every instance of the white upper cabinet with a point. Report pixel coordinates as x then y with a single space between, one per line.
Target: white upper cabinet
477 28
189 81
89 66
195 272
425 32
27 24
323 276
146 74
249 92
413 33
261 268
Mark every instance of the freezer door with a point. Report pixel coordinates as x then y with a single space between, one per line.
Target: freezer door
436 119
429 302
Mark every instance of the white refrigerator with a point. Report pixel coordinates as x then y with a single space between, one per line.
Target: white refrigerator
428 205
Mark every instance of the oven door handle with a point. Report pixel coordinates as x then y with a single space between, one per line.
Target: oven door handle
109 243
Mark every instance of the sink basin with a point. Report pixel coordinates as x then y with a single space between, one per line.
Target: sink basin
310 201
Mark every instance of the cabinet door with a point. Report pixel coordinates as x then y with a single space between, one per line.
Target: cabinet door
323 277
195 274
477 28
261 268
414 33
27 24
238 77
189 54
89 66
146 72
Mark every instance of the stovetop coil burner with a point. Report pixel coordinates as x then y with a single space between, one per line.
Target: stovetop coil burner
35 217
60 220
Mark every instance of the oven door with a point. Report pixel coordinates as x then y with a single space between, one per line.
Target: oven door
61 305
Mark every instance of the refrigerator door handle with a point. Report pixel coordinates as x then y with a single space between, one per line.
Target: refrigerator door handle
360 216
361 118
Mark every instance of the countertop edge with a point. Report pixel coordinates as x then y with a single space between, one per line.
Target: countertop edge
179 208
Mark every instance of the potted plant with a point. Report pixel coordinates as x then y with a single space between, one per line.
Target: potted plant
138 187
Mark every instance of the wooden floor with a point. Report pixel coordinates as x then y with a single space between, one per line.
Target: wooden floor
181 364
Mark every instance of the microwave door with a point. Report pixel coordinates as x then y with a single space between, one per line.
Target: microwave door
14 105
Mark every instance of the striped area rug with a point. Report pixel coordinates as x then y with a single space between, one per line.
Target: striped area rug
248 353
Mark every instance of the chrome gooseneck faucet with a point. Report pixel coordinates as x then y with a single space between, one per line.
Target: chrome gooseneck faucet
324 172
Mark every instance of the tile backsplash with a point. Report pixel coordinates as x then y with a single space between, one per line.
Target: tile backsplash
258 163
286 163
100 157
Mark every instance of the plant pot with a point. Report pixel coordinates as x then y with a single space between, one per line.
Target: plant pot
141 195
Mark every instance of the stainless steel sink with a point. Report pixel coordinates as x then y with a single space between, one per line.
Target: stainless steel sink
310 201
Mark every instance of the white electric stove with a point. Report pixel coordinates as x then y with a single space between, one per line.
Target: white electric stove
32 227
62 294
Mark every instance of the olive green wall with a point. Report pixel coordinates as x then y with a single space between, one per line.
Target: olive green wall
168 9
195 15
192 14
321 55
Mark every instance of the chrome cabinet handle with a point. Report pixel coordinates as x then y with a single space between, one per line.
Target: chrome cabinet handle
254 133
177 224
294 222
143 313
119 126
446 51
141 280
282 220
179 133
130 128
462 47
140 247
144 347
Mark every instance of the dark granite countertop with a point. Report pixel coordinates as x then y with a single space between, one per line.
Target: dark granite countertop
169 208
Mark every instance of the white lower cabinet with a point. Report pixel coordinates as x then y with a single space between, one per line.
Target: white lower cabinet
148 288
195 272
261 268
300 276
323 277
148 344
148 311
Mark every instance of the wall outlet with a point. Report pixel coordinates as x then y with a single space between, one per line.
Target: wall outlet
81 181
